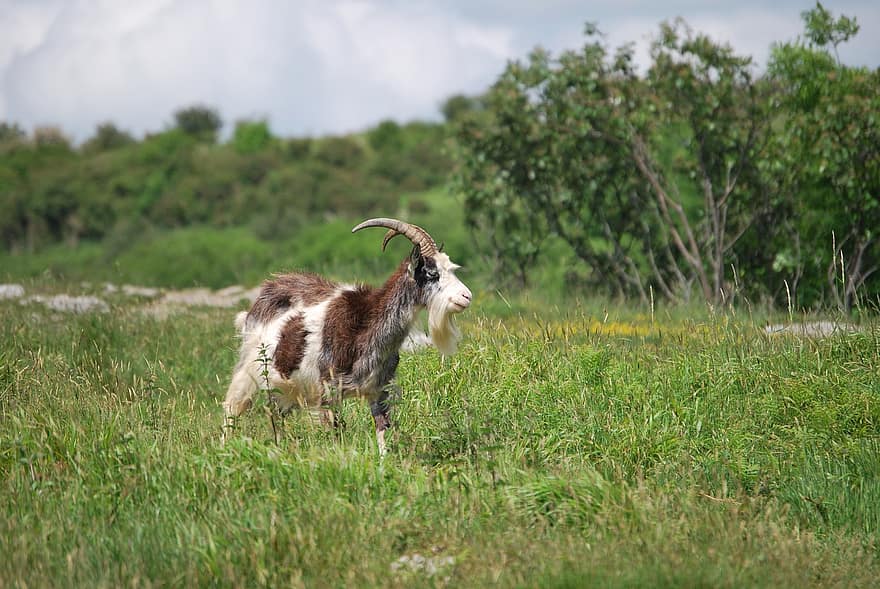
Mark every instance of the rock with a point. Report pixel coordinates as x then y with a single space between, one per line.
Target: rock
11 291
231 291
68 304
428 565
812 329
174 300
140 291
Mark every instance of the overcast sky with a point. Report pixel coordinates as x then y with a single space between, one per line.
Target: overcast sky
322 66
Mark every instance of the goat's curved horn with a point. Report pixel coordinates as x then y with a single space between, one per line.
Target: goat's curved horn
414 233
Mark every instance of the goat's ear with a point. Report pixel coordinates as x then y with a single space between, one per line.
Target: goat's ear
415 260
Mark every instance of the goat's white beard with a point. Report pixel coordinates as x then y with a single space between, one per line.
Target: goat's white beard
442 327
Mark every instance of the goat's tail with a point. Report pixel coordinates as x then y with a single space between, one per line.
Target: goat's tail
240 320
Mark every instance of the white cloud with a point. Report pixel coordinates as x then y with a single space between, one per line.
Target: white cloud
751 32
23 27
317 66
311 67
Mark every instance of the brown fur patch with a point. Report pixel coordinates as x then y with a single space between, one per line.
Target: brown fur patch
286 290
351 319
347 317
291 346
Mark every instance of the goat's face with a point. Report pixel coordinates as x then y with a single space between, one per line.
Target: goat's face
442 291
443 294
439 290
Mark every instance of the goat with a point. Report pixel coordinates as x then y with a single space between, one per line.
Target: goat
320 341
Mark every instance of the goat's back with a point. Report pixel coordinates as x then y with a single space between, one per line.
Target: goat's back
284 291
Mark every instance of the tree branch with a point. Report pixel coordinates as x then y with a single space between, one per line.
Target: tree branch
692 254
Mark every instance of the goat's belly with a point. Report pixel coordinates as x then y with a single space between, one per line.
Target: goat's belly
299 392
293 392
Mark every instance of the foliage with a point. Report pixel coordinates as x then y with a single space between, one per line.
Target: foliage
834 130
822 29
559 146
340 152
458 106
387 136
696 177
11 132
251 136
202 122
51 139
298 148
115 184
202 255
708 91
107 136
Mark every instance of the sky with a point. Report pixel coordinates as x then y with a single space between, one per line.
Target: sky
315 67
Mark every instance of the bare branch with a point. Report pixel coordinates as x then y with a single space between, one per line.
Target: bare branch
691 253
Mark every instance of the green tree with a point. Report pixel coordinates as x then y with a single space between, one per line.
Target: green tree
298 148
251 137
340 152
550 155
458 106
711 193
107 136
12 206
386 137
834 130
51 139
578 147
199 121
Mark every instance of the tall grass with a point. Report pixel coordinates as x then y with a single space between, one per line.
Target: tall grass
556 449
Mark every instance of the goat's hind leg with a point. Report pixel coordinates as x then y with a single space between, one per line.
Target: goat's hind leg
239 397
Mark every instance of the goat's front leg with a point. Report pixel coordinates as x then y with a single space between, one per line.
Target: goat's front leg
381 409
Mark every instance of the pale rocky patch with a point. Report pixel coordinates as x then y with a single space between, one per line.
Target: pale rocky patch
68 304
171 302
230 296
11 291
811 329
426 565
132 290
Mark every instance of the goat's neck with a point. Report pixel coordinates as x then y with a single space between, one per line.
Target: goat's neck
398 305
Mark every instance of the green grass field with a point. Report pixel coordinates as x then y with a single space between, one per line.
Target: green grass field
557 449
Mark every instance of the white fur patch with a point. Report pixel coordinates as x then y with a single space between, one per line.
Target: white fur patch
300 388
453 296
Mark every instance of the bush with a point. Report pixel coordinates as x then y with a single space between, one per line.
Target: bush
201 122
251 136
107 136
196 256
340 152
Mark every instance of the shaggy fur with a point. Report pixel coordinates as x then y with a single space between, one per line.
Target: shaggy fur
323 340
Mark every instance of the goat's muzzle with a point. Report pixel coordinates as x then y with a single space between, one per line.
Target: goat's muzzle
460 300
